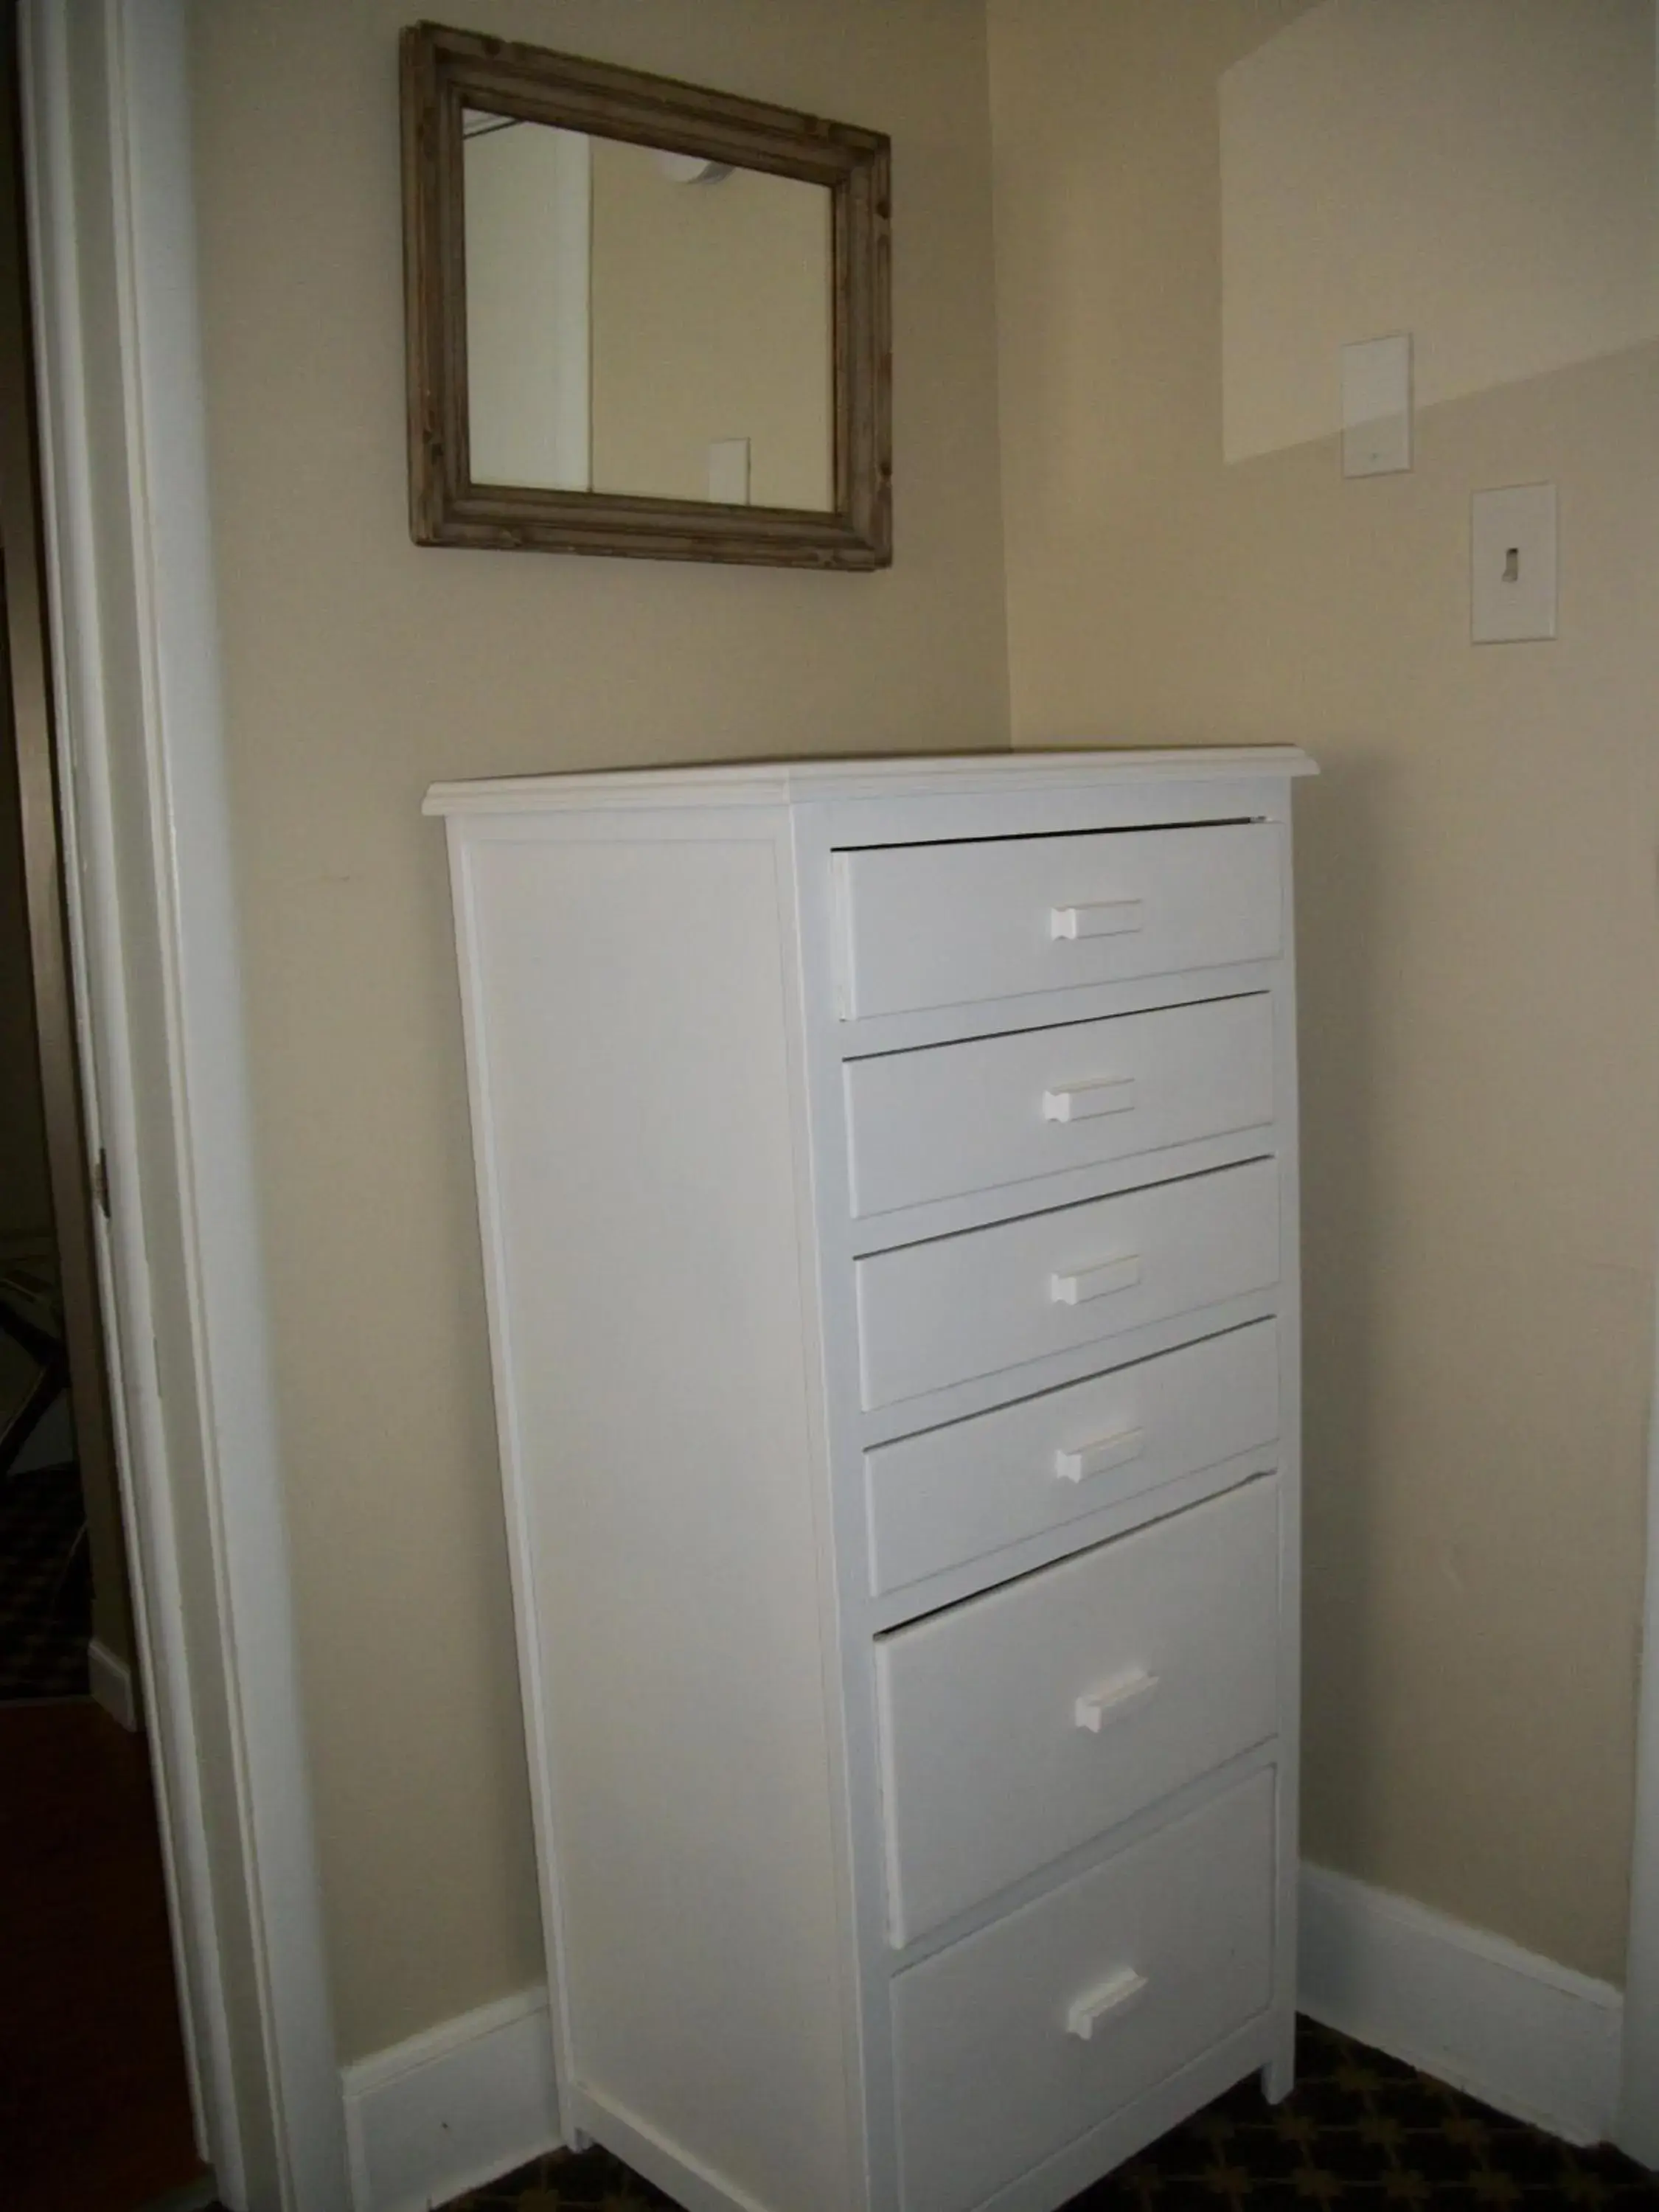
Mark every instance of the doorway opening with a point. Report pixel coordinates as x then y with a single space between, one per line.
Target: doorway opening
95 2097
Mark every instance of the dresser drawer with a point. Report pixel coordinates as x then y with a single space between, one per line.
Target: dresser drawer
1013 2044
944 925
963 1117
959 1492
1019 1725
938 1312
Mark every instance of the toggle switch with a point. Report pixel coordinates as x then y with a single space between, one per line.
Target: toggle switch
1512 564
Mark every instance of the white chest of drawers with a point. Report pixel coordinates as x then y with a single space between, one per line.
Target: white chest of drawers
887 1173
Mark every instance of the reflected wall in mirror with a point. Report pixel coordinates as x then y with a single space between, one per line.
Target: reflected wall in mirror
643 322
643 317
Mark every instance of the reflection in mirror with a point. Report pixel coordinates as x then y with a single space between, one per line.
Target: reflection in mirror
645 323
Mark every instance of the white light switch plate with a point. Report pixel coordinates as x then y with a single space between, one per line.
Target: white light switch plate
1376 406
1512 564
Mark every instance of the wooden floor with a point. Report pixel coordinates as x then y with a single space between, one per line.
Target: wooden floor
95 2110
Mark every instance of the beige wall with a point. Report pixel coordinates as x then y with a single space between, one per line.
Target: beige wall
1477 890
358 668
711 320
1480 173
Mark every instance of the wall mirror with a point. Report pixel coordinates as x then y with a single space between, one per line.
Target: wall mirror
642 318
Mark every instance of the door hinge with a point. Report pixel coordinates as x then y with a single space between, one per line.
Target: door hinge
101 1182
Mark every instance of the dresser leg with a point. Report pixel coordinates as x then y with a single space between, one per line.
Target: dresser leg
1278 2074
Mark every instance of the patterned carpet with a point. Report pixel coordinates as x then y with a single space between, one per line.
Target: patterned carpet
1360 2130
46 1596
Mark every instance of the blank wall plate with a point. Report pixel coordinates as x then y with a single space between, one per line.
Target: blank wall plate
728 471
1512 557
1376 406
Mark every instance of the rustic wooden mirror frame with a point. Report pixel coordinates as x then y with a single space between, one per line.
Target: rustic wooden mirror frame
444 71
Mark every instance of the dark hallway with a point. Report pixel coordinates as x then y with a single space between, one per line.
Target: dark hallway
95 2104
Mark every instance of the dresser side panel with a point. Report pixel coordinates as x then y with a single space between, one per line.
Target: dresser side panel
628 1034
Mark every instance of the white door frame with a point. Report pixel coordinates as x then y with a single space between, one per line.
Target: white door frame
1638 2108
159 991
1638 2102
1638 2105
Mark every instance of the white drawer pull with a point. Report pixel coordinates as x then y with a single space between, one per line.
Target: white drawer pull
1084 1101
1096 1282
1109 2001
1110 918
1115 1702
1099 1457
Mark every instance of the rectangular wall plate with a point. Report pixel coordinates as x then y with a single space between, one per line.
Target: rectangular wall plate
1376 406
728 471
1512 564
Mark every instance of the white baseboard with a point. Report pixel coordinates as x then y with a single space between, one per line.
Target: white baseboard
110 1681
452 2109
1534 2038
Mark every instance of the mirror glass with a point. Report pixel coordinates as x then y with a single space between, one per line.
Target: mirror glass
643 322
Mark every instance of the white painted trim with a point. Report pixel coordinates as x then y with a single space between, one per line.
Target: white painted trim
572 255
1637 2129
879 776
1532 2038
453 2108
110 1682
74 560
243 1889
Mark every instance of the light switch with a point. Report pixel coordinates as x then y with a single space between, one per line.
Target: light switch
1513 564
1376 406
728 471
